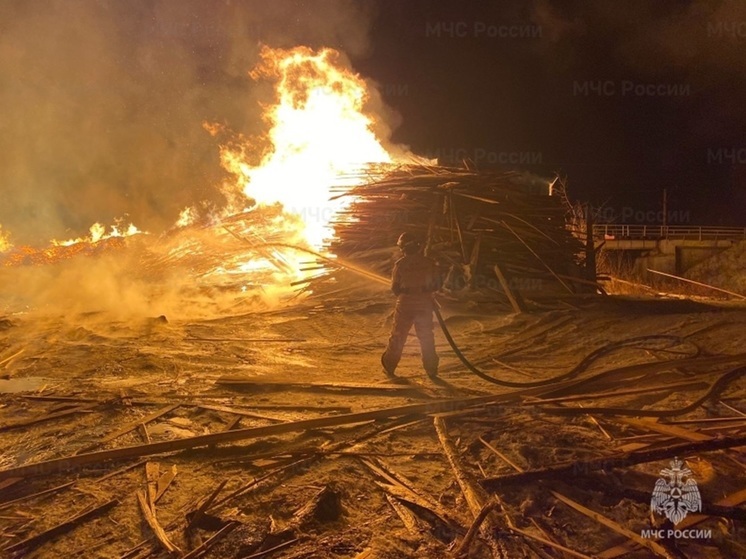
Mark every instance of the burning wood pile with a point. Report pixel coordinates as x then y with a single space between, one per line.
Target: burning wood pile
471 222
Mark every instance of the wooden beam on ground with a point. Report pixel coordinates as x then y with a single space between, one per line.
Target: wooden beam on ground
236 411
163 482
670 430
35 541
6 361
135 424
700 284
652 545
46 417
268 385
63 464
399 487
732 500
152 521
552 544
197 514
199 551
8 482
614 461
6 504
152 473
475 496
502 456
688 385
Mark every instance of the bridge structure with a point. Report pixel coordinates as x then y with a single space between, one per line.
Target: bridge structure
667 248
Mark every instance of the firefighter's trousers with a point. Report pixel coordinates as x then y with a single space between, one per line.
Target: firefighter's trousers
407 313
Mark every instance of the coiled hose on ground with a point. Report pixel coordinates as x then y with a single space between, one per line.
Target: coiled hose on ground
719 385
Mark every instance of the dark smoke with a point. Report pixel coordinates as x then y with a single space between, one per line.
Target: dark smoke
103 101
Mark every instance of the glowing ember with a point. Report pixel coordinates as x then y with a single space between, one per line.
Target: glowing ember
319 133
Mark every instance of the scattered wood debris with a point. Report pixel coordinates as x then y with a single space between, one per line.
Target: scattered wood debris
366 469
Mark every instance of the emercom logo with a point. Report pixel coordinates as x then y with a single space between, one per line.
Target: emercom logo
674 496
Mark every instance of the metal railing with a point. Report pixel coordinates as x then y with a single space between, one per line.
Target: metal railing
616 231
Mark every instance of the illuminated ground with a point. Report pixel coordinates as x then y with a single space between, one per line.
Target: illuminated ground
152 363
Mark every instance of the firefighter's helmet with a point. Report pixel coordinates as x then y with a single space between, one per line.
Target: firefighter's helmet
408 242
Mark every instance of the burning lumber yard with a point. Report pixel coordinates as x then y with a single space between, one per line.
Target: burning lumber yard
294 332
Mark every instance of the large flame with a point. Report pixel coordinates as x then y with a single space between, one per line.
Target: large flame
320 137
319 143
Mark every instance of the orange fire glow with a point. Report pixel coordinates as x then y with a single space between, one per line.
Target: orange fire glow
319 143
320 135
98 233
5 244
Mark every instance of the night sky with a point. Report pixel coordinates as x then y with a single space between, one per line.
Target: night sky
103 102
565 85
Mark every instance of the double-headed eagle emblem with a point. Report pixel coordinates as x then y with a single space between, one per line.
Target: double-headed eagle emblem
677 496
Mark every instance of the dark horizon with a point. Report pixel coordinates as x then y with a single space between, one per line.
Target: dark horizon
623 101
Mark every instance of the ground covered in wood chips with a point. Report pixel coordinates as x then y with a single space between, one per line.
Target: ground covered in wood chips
408 484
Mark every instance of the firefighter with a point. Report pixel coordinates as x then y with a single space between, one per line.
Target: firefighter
414 280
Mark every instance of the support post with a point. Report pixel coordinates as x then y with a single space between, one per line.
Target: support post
590 246
516 301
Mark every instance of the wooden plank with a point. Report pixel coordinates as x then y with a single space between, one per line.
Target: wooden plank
652 545
134 424
159 447
664 429
552 544
9 482
401 488
6 361
152 473
615 460
515 301
6 504
266 385
237 411
155 526
209 543
406 516
700 284
693 385
732 500
35 541
197 515
504 458
46 417
163 482
474 494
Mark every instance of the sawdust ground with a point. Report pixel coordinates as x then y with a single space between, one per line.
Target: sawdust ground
334 340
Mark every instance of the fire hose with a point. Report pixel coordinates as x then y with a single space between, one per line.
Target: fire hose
584 364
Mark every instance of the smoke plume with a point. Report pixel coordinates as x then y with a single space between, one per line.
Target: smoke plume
104 102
